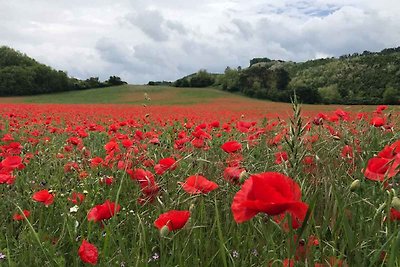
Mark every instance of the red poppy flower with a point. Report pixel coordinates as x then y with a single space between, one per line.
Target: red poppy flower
394 214
388 152
127 143
13 148
88 253
198 143
380 108
234 160
396 147
173 219
76 198
94 162
342 114
347 152
288 263
232 174
74 141
379 169
272 193
7 178
12 162
140 174
231 147
43 196
197 184
111 146
146 180
280 157
164 165
18 216
103 212
377 121
106 180
214 124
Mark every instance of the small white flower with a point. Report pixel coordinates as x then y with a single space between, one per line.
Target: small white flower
74 209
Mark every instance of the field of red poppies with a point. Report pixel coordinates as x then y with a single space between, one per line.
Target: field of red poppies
214 184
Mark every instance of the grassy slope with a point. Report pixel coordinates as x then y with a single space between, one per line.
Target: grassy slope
164 95
127 94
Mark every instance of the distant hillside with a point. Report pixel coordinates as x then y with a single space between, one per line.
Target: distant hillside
22 75
366 78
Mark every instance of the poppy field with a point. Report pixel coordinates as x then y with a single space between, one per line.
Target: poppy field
213 184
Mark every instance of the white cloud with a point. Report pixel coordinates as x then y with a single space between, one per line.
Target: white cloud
163 40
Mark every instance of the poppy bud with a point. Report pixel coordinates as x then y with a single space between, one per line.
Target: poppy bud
164 231
396 203
355 185
243 176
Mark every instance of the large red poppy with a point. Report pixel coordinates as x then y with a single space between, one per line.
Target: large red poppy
88 253
43 196
231 147
272 193
173 219
103 212
197 184
12 162
379 169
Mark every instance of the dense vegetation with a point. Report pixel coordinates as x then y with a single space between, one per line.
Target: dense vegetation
22 75
367 78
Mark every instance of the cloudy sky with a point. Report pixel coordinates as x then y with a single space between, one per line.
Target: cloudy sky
142 40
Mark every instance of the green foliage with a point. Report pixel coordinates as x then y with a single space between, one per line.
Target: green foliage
230 80
21 75
329 94
358 78
115 80
391 96
366 78
308 95
259 60
163 83
200 79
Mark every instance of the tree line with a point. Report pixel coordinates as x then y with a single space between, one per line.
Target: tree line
359 78
22 75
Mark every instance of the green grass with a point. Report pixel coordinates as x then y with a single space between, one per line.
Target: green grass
128 94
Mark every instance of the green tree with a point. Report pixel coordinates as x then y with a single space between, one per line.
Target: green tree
391 96
202 79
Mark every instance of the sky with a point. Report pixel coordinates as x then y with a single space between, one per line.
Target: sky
143 40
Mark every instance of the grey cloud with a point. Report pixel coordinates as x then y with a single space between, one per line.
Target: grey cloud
176 26
245 28
112 52
151 23
163 40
